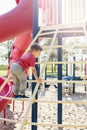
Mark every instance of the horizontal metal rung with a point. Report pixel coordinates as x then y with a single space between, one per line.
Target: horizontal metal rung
67 46
64 26
62 32
64 62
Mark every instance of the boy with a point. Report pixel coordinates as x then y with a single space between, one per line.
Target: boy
20 68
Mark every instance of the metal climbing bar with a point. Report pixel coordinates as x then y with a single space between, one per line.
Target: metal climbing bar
63 102
57 125
43 101
10 120
67 46
37 85
65 26
64 62
66 30
62 81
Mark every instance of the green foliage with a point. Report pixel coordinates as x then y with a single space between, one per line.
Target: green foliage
5 50
3 67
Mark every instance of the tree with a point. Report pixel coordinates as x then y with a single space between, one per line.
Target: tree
9 46
5 50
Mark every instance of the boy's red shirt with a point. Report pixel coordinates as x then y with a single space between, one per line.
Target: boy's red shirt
27 61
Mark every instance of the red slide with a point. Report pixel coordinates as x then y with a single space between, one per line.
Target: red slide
16 23
7 92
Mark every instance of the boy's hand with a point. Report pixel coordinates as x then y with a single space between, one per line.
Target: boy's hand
39 80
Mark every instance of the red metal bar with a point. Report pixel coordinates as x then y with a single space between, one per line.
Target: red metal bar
22 105
4 116
49 11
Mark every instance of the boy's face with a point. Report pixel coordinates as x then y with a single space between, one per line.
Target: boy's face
36 53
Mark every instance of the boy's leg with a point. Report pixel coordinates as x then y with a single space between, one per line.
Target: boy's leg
16 87
23 86
21 77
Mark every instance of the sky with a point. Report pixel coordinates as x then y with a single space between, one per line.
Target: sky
6 6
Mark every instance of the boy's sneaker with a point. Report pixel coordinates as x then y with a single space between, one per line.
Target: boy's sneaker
16 96
23 96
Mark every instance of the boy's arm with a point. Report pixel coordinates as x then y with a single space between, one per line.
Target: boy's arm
34 71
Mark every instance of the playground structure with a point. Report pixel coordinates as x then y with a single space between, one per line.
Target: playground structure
55 29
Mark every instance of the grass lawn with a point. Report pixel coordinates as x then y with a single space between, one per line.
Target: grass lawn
52 75
3 72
